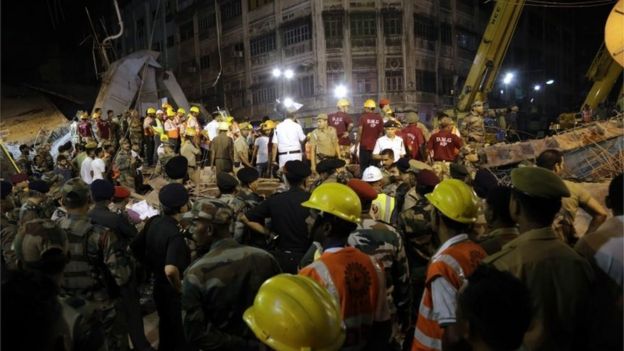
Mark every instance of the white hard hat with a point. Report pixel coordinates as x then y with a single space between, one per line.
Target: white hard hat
160 112
372 174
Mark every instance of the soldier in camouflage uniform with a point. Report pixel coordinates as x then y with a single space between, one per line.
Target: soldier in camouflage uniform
124 162
99 263
385 244
8 229
35 203
42 246
473 132
135 130
214 299
227 194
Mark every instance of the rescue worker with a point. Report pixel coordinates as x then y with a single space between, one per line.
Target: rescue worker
342 122
171 129
214 299
443 147
502 228
98 263
472 127
192 124
165 252
353 278
385 244
180 120
413 136
383 205
190 151
42 247
389 141
103 127
227 184
85 129
370 128
308 318
323 141
557 277
454 210
125 164
149 137
262 149
241 147
158 131
222 148
288 227
552 160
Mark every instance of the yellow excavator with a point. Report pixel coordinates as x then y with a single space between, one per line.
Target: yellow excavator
490 55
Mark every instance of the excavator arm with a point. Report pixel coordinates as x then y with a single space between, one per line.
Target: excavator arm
491 53
604 72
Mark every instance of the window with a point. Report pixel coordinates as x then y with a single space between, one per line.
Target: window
230 9
446 34
186 31
394 80
333 27
254 4
204 62
296 34
363 25
424 28
446 84
393 24
306 86
264 95
170 41
425 81
262 44
365 82
467 41
205 23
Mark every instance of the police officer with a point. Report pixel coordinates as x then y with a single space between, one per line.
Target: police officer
342 122
214 299
99 263
287 217
41 246
167 255
558 278
324 142
385 244
222 148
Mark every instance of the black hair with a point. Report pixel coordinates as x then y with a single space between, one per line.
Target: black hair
549 158
616 194
31 312
294 181
387 152
72 200
537 209
109 111
498 201
340 227
498 307
170 211
61 157
422 189
366 204
457 227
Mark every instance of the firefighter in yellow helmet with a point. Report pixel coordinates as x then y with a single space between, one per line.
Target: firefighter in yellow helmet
335 211
342 122
294 313
171 129
193 123
370 128
455 209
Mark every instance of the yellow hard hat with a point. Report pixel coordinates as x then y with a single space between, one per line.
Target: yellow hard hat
181 110
84 115
268 125
294 313
370 103
224 126
190 132
151 110
343 102
170 112
97 115
229 119
245 125
336 199
164 138
455 200
195 109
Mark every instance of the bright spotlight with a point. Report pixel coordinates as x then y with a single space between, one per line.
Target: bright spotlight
508 78
288 74
288 102
550 81
537 87
502 92
340 91
277 72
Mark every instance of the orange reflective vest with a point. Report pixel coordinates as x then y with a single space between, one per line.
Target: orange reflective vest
171 129
357 283
455 264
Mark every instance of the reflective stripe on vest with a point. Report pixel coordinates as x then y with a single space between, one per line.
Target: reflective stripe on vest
172 129
383 207
158 128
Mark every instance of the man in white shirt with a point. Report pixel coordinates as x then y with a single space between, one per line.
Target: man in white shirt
85 166
98 166
288 138
212 128
389 141
261 152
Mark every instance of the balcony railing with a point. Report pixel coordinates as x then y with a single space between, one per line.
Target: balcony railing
333 43
363 42
298 49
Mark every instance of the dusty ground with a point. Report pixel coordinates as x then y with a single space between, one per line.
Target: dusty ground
23 118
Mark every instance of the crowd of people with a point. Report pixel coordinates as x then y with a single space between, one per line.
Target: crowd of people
382 235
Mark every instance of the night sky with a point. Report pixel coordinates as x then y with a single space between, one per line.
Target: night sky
39 35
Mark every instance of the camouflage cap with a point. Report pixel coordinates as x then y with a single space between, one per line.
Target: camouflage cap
213 211
539 182
75 188
35 238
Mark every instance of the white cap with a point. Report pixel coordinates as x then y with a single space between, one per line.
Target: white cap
159 112
372 174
